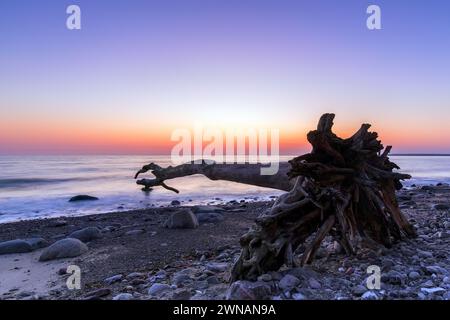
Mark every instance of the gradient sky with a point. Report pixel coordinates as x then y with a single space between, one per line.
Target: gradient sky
139 69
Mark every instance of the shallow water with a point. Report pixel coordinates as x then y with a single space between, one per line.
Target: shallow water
40 186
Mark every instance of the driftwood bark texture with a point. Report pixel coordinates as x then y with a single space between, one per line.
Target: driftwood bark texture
343 188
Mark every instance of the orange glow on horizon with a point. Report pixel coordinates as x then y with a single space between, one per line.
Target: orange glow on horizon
96 136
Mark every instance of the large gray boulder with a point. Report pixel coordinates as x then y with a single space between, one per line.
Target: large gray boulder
86 234
37 243
22 245
65 248
15 246
182 219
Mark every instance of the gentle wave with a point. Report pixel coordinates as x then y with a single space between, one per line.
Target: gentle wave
26 182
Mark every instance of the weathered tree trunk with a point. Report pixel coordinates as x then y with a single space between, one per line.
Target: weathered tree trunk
241 173
344 188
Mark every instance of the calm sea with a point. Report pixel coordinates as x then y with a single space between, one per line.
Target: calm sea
40 186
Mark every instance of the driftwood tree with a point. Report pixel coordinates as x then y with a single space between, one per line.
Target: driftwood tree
344 188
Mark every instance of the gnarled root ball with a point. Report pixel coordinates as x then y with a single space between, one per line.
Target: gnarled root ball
344 188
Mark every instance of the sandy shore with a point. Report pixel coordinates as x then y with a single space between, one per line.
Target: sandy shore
137 258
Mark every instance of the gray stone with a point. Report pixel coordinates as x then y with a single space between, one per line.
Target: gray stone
181 294
393 277
359 290
65 248
82 197
217 266
135 275
265 277
428 284
247 290
15 246
175 203
123 296
37 243
436 290
201 285
413 275
180 278
303 273
369 295
114 279
425 254
25 294
182 219
298 296
212 280
288 282
158 288
436 270
209 217
134 232
86 234
58 223
96 294
314 284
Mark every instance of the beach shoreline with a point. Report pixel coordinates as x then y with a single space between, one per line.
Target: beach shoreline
135 252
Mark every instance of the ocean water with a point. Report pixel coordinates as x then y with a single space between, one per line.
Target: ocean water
40 186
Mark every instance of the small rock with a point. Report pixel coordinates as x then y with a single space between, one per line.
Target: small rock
65 248
24 294
265 277
123 296
134 232
181 294
425 254
135 275
96 294
428 284
369 295
180 278
288 282
58 223
436 270
62 271
114 279
82 197
247 290
201 285
175 203
359 290
158 288
413 275
212 280
183 219
217 266
393 277
86 234
298 296
314 284
436 290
